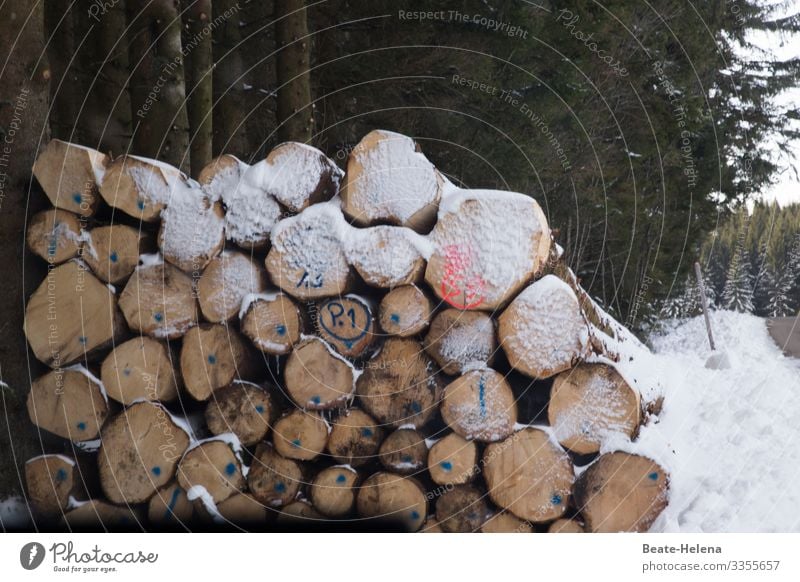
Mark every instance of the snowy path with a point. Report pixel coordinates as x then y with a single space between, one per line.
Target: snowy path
731 437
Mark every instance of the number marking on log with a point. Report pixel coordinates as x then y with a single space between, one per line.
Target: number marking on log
307 282
458 261
339 317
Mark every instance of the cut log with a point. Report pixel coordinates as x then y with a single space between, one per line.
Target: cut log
140 450
393 499
70 174
273 322
192 227
296 175
307 259
487 244
388 179
243 409
590 404
480 405
404 451
243 509
505 522
316 378
431 526
333 491
54 235
543 331
273 480
137 187
140 368
300 435
212 357
299 514
453 460
226 281
112 252
355 438
462 509
170 506
211 468
69 403
405 311
347 324
621 492
99 515
386 256
565 526
529 475
461 340
159 301
50 480
71 316
399 385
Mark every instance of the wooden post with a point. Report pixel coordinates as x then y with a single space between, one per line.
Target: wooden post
480 405
140 368
355 438
405 311
529 475
461 340
140 451
69 403
704 302
295 109
621 492
399 385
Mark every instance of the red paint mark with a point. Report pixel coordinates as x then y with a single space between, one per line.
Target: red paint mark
455 283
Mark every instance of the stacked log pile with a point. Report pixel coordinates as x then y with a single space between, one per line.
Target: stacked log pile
285 344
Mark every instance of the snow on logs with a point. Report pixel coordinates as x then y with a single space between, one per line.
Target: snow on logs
410 287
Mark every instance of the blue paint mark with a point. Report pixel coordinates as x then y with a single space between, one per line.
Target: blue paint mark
280 487
82 340
341 479
395 318
212 359
172 502
81 426
348 344
259 409
281 329
158 316
406 459
415 406
316 399
156 471
482 396
113 256
446 465
61 475
653 476
140 204
230 469
77 198
296 443
556 499
126 372
415 515
366 432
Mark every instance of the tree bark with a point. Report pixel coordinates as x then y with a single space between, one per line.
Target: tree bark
295 110
63 88
24 85
229 115
199 64
158 92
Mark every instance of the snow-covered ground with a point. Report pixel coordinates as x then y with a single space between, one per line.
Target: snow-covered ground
731 437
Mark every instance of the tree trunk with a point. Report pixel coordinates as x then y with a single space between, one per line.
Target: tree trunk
64 91
199 64
229 115
295 110
158 92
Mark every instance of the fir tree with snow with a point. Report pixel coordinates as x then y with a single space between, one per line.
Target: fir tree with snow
738 293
